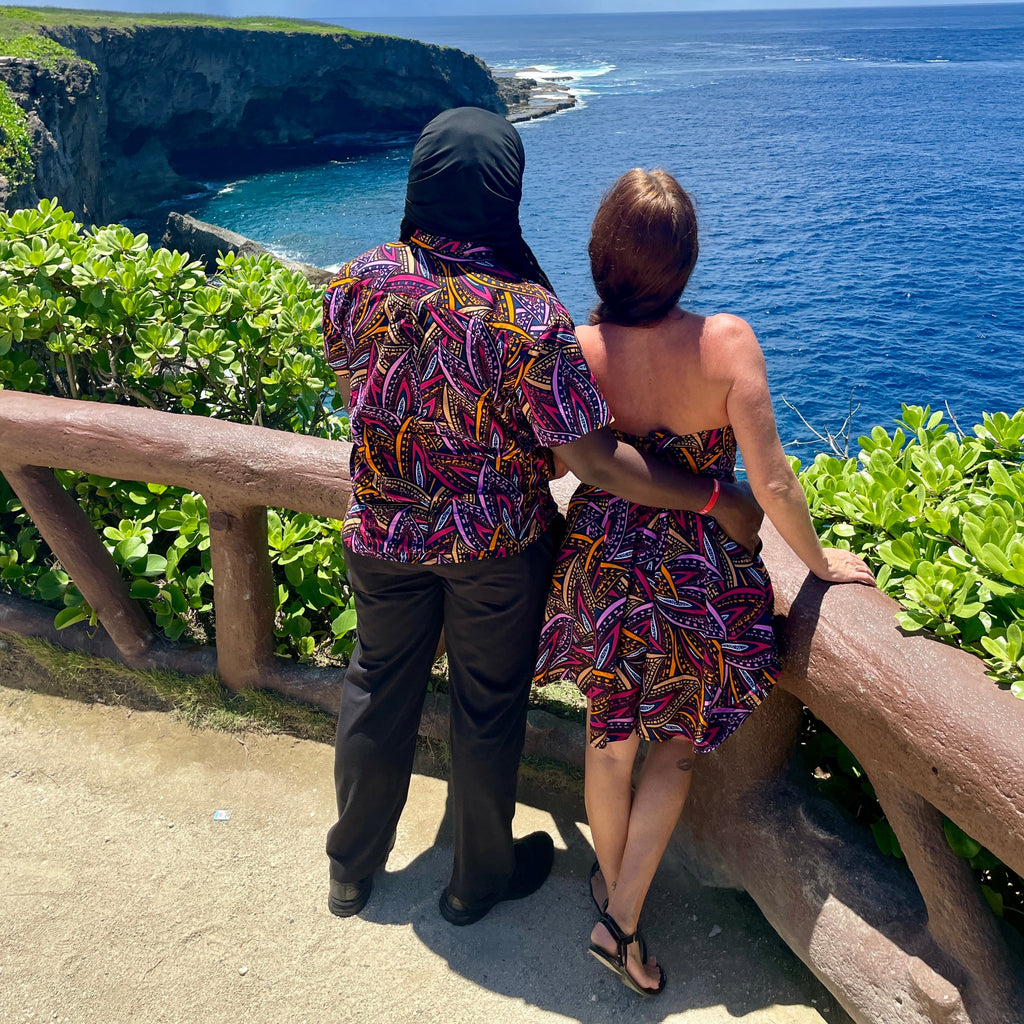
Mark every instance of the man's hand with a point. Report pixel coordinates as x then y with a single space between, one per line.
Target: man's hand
738 513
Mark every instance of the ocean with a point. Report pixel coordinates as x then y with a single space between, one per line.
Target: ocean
857 175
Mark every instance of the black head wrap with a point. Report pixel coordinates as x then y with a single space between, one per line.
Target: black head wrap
466 181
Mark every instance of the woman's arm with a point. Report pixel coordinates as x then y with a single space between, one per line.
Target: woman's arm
601 460
775 486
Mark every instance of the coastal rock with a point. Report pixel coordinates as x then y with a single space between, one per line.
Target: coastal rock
206 242
528 98
169 105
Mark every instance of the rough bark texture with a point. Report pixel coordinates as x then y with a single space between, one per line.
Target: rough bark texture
169 105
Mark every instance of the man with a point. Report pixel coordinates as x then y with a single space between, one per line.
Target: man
461 369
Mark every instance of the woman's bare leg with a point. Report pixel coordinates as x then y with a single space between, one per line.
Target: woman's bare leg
608 793
653 813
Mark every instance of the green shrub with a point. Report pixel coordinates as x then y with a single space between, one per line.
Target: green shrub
941 516
15 158
944 515
99 315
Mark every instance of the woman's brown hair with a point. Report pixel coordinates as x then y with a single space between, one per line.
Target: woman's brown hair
643 248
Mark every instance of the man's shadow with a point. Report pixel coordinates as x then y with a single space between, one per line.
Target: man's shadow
535 949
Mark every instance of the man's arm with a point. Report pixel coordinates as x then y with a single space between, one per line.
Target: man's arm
601 460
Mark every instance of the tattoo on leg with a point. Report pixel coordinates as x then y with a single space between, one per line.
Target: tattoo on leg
685 764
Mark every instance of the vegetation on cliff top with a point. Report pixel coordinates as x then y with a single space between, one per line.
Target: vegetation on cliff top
15 157
15 152
41 49
15 21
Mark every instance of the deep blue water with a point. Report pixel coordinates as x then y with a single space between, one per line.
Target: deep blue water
858 176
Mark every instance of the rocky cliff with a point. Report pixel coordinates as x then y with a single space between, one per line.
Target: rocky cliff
62 107
168 105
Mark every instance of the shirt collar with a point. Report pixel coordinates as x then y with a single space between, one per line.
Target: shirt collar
451 248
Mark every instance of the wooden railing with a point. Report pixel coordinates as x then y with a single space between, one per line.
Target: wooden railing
933 733
239 470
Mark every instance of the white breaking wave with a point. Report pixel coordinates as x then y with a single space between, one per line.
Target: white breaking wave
560 74
283 253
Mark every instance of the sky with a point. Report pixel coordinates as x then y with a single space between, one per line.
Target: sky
425 8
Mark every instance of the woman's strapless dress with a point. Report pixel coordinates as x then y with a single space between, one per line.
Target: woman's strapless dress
660 619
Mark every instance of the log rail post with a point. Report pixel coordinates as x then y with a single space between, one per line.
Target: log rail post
239 470
78 548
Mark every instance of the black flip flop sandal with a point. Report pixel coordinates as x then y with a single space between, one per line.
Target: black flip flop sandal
616 962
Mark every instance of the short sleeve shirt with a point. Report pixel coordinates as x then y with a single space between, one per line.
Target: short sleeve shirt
461 375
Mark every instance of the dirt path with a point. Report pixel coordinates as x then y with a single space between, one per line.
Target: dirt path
122 898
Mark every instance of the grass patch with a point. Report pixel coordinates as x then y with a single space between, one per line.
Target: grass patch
205 703
201 701
41 49
16 21
563 700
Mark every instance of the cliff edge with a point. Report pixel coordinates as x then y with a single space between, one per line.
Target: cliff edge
170 104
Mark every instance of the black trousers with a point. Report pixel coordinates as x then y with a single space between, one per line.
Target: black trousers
491 613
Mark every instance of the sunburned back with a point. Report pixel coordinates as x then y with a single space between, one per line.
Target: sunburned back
671 376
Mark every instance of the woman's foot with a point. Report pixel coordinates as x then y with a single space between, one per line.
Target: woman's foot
647 976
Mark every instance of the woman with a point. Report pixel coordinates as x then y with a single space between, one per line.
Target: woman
460 368
662 621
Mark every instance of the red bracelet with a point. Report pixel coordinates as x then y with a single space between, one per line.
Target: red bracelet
716 490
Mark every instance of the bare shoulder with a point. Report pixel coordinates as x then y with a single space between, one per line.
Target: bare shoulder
729 342
589 339
726 329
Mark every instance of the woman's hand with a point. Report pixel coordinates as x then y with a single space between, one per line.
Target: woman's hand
560 468
845 567
739 515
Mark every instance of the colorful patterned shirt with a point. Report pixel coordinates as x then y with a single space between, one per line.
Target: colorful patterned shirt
460 375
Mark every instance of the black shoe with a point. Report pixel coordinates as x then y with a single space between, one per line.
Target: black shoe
534 853
346 899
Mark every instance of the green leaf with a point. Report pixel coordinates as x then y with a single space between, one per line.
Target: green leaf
175 596
143 590
994 558
993 899
52 584
295 625
131 550
154 565
69 616
171 519
345 622
886 839
959 841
